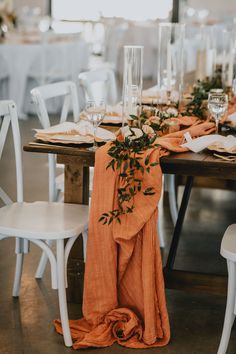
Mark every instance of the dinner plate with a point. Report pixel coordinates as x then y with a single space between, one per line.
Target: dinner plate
221 150
113 119
78 140
73 133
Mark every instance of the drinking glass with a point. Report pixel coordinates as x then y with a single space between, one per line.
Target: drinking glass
217 105
170 60
234 86
95 112
132 81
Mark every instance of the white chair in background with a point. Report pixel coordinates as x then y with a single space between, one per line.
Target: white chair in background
4 77
88 79
40 95
228 251
38 222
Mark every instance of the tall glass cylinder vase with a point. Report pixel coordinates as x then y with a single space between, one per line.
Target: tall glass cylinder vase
206 52
229 57
170 61
132 80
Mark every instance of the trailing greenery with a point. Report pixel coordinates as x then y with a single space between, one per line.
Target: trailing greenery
199 95
128 157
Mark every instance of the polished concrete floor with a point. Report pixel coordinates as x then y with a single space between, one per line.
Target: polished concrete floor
196 319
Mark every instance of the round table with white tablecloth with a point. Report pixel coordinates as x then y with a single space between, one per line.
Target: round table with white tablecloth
43 60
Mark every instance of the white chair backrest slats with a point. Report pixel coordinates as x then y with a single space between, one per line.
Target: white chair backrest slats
107 77
4 197
9 113
43 93
4 130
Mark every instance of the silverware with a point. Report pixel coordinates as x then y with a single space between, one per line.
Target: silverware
230 158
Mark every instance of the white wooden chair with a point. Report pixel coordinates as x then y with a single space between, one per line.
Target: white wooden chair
228 251
106 77
39 221
39 96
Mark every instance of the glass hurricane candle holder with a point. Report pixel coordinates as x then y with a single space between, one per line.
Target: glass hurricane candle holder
170 61
229 57
206 52
132 81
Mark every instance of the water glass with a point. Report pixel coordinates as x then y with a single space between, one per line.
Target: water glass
234 86
95 112
217 105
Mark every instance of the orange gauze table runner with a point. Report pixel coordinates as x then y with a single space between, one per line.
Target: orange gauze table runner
124 295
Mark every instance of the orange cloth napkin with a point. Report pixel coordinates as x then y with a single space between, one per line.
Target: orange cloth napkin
124 295
231 109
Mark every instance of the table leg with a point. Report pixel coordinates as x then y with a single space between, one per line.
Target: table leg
76 191
76 184
179 223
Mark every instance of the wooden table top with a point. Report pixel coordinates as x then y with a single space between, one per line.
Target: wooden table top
188 163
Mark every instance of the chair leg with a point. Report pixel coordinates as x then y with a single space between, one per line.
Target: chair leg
18 273
229 312
42 263
62 293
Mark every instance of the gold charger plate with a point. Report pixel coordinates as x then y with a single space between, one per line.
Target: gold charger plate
221 150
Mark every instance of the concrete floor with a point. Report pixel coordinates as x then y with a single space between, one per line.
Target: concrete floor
196 319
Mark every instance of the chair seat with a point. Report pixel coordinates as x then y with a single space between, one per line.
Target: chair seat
228 244
43 220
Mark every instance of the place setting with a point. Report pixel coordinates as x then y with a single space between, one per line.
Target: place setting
85 132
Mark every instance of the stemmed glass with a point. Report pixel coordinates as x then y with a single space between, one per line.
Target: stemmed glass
95 112
234 86
217 105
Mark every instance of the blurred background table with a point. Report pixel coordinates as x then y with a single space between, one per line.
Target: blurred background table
31 59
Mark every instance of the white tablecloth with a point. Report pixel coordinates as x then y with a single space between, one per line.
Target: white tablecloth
63 60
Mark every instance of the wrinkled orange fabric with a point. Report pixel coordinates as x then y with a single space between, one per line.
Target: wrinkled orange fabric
124 295
231 109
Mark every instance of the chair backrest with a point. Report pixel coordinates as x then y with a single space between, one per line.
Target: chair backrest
41 94
8 117
106 77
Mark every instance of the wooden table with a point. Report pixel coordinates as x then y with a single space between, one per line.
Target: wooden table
77 161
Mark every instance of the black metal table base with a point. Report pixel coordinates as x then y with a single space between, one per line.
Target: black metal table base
179 223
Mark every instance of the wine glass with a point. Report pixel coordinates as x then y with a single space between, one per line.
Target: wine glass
95 112
234 86
217 105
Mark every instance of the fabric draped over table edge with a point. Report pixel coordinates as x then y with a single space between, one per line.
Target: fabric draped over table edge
124 296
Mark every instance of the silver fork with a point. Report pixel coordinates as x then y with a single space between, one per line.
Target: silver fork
231 158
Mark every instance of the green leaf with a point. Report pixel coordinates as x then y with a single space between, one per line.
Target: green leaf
147 159
154 164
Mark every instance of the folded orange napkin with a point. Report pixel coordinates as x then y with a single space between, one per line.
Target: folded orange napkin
124 295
